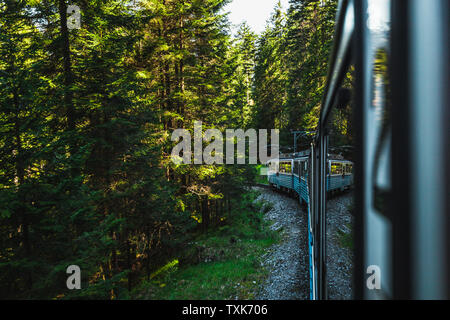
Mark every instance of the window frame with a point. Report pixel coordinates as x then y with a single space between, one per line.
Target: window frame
296 167
347 165
304 168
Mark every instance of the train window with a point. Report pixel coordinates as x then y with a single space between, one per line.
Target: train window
349 168
296 163
286 167
336 168
304 169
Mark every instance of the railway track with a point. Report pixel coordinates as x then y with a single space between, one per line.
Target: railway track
287 262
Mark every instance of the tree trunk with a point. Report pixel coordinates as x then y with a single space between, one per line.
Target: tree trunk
20 176
205 214
68 77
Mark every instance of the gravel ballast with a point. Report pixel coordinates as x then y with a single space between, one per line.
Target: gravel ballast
288 261
339 257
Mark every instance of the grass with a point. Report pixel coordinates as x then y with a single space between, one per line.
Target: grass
223 264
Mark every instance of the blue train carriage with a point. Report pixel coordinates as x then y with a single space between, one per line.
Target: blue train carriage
279 174
300 174
339 175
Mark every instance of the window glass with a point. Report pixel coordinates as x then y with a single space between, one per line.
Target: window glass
296 167
304 168
349 168
336 168
275 166
285 167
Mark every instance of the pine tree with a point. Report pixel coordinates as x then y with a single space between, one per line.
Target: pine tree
270 75
86 116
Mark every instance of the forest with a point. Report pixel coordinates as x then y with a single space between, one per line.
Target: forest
86 117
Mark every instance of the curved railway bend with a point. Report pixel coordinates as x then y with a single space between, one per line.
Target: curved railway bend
288 261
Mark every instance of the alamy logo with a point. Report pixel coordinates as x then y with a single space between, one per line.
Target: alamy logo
74 280
214 151
374 280
74 18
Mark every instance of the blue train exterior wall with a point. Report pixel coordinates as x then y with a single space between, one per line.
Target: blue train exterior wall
272 178
300 184
281 180
297 184
339 182
301 187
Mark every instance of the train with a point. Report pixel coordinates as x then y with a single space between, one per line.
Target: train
290 174
399 57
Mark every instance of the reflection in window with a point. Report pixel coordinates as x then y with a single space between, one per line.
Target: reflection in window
285 167
296 167
304 168
382 108
349 168
336 168
378 13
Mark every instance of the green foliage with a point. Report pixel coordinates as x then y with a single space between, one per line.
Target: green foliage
291 70
85 122
86 117
223 264
269 86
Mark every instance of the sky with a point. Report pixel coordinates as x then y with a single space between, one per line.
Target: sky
255 12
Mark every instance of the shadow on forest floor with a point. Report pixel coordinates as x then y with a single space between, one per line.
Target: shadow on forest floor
223 264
